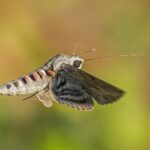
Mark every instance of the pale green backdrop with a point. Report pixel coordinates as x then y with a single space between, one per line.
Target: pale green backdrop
33 31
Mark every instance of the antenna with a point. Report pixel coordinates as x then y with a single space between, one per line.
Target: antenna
75 48
117 56
91 50
87 51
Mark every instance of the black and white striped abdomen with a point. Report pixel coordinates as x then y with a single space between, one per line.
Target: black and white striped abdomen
31 83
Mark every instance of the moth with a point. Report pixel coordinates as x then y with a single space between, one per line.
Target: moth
62 80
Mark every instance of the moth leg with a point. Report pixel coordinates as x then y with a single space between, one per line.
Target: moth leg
44 96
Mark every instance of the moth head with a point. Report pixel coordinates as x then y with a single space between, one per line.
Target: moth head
59 60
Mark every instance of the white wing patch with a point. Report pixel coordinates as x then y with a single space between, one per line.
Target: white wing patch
45 98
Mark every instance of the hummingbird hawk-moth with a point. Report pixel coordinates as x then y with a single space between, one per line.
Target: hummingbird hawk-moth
62 80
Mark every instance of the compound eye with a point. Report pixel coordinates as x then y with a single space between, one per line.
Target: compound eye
77 63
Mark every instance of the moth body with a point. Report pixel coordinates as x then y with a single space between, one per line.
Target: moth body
28 84
37 80
62 80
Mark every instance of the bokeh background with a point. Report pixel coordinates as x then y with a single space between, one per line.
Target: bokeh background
32 31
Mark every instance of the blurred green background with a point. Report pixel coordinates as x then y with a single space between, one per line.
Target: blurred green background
32 31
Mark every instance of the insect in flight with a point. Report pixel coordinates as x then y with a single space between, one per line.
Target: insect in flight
62 80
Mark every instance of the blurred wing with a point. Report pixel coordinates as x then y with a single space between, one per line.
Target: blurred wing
45 97
68 90
101 91
77 88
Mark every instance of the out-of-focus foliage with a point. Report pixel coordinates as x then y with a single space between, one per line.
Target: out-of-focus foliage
33 31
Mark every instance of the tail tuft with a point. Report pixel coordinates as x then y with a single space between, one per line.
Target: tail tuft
28 84
8 89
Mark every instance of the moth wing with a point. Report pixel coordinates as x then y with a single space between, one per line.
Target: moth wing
45 97
66 89
71 82
100 90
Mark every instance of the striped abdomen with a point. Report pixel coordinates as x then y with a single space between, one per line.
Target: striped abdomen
31 83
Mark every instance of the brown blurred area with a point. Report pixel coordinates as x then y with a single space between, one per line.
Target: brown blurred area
31 32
